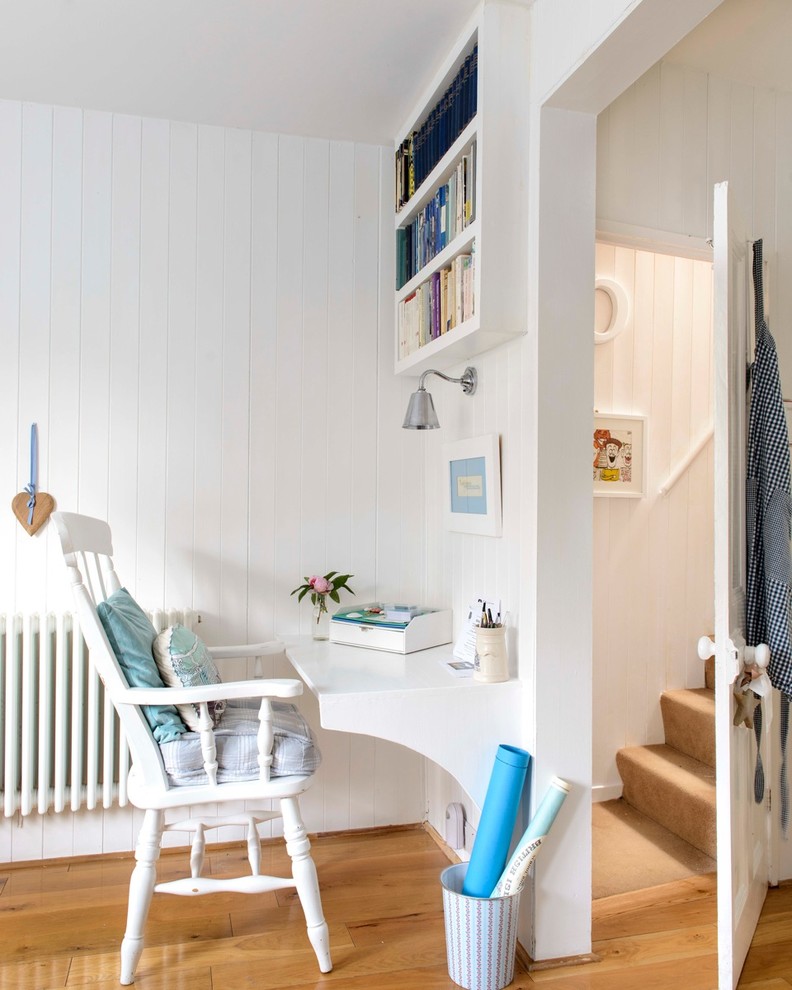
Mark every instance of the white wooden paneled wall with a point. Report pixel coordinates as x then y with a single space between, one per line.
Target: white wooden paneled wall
194 317
653 556
461 567
669 138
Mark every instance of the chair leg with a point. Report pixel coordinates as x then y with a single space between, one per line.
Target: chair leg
304 872
254 847
197 851
141 890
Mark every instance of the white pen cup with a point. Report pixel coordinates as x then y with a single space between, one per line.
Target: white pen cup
492 661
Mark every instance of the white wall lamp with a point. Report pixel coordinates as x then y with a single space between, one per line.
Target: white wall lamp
421 413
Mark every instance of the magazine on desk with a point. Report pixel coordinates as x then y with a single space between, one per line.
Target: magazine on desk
377 614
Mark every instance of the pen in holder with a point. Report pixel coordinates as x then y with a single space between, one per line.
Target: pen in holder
492 662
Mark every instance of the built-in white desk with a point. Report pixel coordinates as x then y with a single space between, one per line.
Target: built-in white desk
410 699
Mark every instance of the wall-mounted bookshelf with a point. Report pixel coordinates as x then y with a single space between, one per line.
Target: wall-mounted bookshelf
460 198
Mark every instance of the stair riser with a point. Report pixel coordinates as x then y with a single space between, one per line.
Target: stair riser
690 816
690 731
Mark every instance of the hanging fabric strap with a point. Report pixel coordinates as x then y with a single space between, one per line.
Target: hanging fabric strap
784 802
30 488
759 777
758 284
752 508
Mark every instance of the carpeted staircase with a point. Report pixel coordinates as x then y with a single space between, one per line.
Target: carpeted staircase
674 783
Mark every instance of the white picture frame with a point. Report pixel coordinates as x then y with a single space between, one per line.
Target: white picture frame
472 485
619 466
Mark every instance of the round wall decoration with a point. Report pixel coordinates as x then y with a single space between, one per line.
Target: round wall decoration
611 310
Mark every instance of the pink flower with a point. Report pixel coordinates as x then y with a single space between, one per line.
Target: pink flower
320 585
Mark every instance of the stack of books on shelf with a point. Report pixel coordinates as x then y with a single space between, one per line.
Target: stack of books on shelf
444 217
440 304
422 150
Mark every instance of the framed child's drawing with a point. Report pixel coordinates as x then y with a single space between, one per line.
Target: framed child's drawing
619 455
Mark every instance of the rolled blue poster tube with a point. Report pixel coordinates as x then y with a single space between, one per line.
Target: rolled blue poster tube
498 816
516 872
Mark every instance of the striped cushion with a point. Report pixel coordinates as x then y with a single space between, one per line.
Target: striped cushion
294 750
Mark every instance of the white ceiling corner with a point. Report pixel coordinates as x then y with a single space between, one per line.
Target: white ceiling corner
350 69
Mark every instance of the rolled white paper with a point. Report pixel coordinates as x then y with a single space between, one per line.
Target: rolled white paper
514 876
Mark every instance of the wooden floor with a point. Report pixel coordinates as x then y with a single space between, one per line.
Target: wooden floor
61 923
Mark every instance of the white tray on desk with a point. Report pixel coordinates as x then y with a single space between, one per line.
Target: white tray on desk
424 631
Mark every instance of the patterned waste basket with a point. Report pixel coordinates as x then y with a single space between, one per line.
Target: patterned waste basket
481 934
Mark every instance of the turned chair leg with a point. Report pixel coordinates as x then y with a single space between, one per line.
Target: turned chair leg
198 851
298 847
141 890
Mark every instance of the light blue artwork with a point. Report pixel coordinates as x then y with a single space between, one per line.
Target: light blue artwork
469 486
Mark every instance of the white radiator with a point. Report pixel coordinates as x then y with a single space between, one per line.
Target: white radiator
60 744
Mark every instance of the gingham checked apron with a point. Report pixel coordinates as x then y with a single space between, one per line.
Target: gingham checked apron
769 510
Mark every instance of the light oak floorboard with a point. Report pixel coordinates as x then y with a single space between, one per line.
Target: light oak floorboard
62 924
681 904
770 956
42 973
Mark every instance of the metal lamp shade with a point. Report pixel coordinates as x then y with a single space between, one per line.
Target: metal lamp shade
421 413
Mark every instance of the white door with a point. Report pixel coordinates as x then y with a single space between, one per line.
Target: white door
743 825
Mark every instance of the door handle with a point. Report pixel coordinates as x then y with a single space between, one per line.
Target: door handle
759 655
755 662
750 656
706 648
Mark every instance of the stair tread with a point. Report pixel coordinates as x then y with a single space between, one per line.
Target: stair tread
673 789
699 699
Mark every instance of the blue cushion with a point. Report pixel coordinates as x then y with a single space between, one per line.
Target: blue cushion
131 636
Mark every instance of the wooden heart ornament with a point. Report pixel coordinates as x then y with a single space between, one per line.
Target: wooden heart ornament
41 510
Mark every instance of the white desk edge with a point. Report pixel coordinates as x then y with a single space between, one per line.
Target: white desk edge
412 700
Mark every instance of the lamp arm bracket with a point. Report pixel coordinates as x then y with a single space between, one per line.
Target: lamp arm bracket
468 381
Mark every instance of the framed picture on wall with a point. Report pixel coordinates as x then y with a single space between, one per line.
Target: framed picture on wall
472 485
619 455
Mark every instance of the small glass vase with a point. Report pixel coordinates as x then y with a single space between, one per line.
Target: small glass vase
321 621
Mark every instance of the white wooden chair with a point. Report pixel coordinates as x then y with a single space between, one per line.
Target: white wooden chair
87 548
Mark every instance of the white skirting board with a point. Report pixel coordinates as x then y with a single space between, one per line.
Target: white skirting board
605 792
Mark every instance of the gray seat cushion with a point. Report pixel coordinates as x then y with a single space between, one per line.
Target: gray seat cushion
294 750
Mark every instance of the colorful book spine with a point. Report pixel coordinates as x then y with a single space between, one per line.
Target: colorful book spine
445 300
443 218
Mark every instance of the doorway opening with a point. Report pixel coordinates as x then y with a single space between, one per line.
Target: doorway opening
653 817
